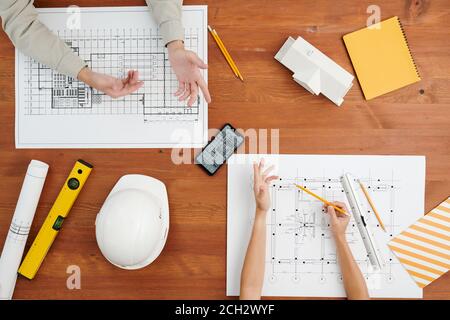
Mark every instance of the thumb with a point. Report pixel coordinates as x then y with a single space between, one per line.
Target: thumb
332 213
198 62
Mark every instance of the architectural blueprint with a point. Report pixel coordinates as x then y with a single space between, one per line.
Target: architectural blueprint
57 111
300 250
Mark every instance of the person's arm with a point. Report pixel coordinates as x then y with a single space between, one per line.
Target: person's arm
252 275
34 39
21 24
112 86
167 14
354 283
185 63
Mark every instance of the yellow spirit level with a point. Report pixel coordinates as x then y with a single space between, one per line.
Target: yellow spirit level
52 224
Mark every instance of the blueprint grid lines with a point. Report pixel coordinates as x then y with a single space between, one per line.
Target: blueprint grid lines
113 41
306 223
301 255
112 52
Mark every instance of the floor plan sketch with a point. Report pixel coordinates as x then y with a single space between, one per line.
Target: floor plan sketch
300 251
149 117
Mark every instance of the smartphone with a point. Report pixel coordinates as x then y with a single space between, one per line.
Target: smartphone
219 149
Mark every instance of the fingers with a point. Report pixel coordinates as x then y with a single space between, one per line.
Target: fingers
340 205
255 169
271 178
127 90
134 87
181 89
267 171
133 83
190 80
255 172
187 92
203 86
128 85
127 78
332 213
256 178
132 75
134 79
261 164
116 88
195 90
194 94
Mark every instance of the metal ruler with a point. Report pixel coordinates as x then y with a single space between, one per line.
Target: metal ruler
373 252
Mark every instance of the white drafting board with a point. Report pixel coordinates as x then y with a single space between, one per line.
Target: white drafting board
300 252
55 111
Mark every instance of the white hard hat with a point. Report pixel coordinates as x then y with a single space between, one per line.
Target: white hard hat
132 226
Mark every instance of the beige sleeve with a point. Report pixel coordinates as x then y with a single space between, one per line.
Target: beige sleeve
21 24
167 14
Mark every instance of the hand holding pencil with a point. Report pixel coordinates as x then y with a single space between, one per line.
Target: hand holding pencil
338 222
328 203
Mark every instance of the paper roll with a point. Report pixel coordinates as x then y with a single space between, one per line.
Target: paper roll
20 226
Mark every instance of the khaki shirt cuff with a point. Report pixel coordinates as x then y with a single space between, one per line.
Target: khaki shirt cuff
71 65
172 30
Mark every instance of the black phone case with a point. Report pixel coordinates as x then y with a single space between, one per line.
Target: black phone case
212 139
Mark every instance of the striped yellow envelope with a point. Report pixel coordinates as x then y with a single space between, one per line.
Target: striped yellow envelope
424 248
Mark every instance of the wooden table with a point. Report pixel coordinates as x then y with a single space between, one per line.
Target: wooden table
412 121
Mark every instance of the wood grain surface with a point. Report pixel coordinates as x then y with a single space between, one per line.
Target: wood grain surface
411 121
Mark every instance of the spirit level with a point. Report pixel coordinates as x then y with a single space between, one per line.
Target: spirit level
52 224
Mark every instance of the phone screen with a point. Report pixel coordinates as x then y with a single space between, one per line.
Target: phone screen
219 149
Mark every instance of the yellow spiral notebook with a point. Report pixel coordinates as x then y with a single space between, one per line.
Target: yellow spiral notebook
381 58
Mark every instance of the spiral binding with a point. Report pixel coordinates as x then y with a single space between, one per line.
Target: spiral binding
407 45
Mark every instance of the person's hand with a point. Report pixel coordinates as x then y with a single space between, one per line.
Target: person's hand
261 186
338 220
186 65
109 85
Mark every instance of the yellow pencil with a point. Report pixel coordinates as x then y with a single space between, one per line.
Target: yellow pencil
225 53
228 54
321 199
372 205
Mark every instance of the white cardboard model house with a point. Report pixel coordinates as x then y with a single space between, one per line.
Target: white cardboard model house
315 71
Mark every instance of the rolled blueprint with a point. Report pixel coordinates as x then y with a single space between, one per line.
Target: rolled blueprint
20 226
